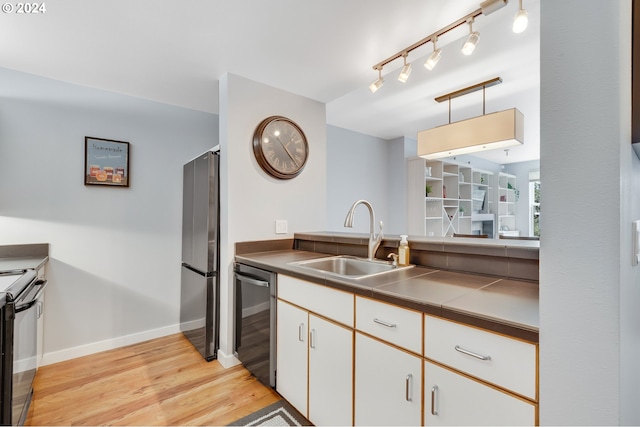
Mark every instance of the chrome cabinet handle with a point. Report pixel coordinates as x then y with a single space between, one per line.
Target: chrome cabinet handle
434 390
472 354
312 339
301 332
383 323
407 388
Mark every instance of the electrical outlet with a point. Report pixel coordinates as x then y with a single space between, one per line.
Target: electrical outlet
281 226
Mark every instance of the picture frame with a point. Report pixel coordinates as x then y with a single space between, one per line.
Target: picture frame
106 162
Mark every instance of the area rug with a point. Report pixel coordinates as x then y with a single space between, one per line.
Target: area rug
276 414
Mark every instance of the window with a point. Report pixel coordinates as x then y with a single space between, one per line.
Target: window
534 203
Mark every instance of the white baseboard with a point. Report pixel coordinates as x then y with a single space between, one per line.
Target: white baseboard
227 360
87 349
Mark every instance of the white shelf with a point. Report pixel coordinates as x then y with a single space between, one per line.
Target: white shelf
436 215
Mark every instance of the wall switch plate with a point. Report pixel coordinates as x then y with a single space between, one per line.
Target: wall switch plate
281 226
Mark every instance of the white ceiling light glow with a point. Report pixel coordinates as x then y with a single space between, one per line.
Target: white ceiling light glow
487 7
377 84
433 59
470 44
406 70
521 20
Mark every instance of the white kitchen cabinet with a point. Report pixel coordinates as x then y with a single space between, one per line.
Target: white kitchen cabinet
315 352
388 384
330 373
452 399
291 364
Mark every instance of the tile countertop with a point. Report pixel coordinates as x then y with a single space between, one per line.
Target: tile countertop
23 257
505 306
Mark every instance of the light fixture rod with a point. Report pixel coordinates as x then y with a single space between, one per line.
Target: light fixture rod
492 82
427 39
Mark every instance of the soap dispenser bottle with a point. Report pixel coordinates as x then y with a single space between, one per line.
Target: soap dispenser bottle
403 251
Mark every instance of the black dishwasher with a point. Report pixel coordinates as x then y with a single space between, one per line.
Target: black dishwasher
255 313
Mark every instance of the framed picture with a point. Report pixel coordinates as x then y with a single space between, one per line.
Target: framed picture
106 162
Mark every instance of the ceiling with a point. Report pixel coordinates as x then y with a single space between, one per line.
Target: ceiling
174 51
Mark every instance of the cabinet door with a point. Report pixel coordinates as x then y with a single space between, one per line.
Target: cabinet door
452 399
330 373
388 389
291 368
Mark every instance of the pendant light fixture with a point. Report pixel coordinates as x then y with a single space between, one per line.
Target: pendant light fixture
377 84
472 40
406 70
433 59
486 132
521 20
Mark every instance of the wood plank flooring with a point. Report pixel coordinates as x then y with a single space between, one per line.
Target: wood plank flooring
159 382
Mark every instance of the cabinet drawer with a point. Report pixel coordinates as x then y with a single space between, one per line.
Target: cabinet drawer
393 324
452 399
497 359
334 304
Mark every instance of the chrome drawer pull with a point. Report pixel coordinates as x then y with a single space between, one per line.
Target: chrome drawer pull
312 339
434 390
383 323
472 354
407 388
301 332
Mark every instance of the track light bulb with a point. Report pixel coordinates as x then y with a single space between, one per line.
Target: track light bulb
521 20
433 59
470 44
377 84
406 70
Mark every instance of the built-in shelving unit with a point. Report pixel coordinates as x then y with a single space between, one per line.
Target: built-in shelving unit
447 198
507 204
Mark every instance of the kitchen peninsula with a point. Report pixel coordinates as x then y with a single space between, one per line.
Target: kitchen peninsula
450 340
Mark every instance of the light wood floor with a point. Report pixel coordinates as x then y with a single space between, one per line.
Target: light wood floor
159 382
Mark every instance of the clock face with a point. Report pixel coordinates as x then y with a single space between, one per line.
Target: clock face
280 147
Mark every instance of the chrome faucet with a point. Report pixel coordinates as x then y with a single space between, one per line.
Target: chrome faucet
374 242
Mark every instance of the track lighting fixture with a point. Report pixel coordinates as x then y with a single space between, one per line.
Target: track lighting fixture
470 44
487 7
490 6
406 70
521 20
377 84
433 59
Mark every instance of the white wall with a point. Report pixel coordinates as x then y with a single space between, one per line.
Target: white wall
114 272
252 200
589 297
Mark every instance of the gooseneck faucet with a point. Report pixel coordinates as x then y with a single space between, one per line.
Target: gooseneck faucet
374 242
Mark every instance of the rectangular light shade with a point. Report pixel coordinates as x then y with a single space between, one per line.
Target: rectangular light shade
487 132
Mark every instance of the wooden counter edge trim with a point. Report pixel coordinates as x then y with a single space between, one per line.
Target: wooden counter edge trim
492 325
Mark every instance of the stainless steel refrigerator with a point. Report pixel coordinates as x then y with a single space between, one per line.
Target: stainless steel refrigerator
200 284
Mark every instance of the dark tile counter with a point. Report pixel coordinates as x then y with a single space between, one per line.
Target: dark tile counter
499 304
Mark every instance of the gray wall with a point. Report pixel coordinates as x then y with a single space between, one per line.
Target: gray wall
115 252
589 293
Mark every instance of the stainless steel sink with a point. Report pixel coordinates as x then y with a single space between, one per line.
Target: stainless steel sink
350 267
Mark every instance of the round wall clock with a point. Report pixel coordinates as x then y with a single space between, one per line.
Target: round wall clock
280 147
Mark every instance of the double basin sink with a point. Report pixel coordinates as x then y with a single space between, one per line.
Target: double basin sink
350 267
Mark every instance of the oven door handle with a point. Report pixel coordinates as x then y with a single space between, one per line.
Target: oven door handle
27 305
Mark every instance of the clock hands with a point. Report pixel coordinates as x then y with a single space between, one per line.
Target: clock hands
287 151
